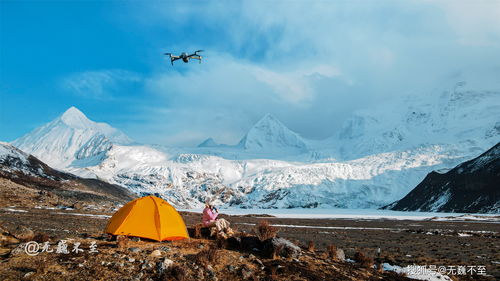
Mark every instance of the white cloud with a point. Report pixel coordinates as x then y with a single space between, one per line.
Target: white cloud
98 84
310 63
476 23
223 97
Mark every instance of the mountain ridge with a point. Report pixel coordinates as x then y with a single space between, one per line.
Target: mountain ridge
378 156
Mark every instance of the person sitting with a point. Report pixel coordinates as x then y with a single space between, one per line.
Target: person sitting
221 226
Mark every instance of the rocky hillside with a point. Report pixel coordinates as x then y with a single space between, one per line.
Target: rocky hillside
24 177
471 187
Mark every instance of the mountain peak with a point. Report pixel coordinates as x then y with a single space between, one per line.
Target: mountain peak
73 111
270 134
269 124
75 118
268 118
210 142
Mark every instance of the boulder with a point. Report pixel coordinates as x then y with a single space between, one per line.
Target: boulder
164 265
280 247
155 253
340 255
23 233
134 250
6 239
165 249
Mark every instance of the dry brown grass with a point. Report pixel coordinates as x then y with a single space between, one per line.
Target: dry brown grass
207 256
364 260
41 237
265 230
276 251
175 272
380 268
197 230
273 273
331 250
186 243
122 241
221 243
310 246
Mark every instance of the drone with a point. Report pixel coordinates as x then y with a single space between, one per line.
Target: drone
184 57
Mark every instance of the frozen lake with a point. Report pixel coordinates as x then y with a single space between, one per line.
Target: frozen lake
354 214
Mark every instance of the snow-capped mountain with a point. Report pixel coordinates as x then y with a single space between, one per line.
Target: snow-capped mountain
268 138
473 186
270 135
71 140
379 155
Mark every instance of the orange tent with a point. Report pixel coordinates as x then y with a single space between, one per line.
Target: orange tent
148 217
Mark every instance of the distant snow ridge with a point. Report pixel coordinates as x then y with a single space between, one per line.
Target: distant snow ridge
459 116
208 143
71 136
380 154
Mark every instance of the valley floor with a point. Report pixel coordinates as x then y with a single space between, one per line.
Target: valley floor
402 242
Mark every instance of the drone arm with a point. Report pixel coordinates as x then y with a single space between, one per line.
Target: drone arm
196 58
196 53
173 58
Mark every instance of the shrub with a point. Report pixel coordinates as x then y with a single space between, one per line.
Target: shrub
221 243
363 260
207 256
331 250
197 231
265 230
178 273
175 272
310 246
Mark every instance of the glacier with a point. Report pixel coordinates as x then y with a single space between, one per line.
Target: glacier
377 157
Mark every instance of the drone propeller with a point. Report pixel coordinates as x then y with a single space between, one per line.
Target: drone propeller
168 54
198 51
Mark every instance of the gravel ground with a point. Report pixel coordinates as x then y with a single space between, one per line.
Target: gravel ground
401 242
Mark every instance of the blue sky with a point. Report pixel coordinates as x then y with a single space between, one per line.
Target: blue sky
310 63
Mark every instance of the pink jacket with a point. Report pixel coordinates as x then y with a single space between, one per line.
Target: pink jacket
208 216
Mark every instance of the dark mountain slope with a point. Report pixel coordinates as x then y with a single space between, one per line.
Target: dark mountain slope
26 170
470 187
